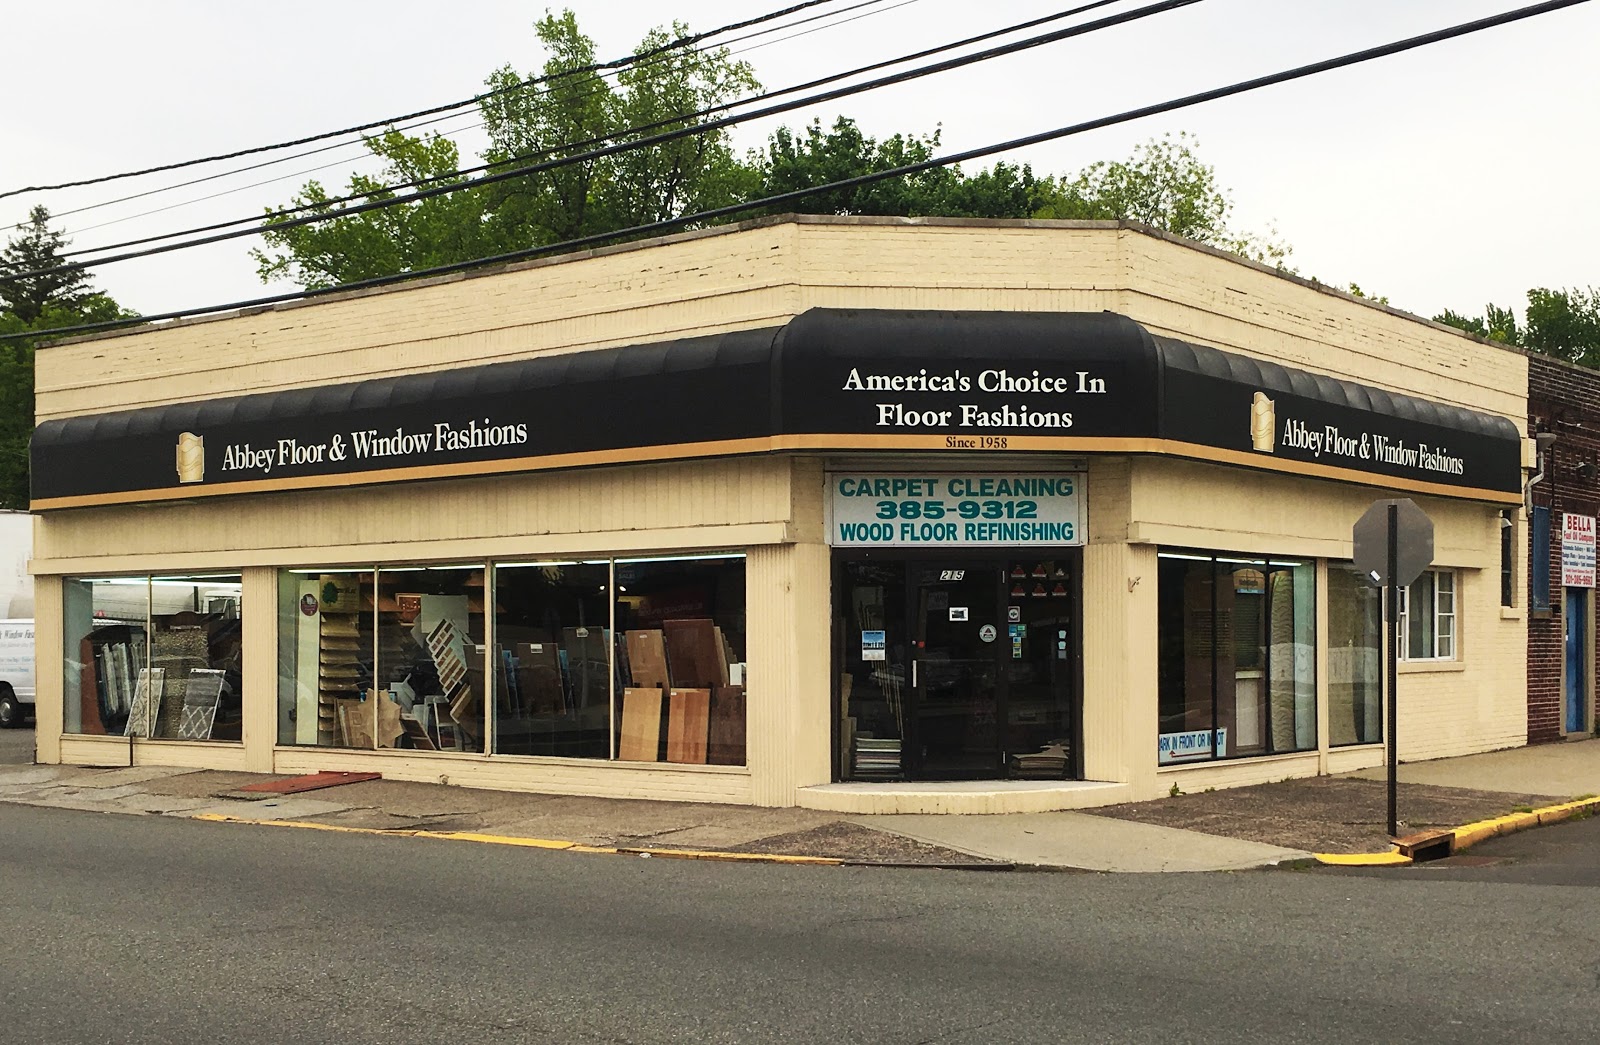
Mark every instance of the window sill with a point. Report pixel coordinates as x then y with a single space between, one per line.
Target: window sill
1422 667
1513 613
1234 760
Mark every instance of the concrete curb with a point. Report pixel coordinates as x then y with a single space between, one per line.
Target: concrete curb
556 844
1470 834
563 845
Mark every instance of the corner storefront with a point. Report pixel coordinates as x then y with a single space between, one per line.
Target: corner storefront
705 519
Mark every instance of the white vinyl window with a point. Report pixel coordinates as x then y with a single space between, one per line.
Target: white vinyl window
1428 617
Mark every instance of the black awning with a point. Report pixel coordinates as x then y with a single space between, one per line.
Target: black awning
1315 419
829 380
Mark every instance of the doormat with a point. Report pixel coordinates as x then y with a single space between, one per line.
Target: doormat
311 782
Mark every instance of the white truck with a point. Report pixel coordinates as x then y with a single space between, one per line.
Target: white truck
16 619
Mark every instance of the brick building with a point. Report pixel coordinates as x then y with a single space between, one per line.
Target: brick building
1564 414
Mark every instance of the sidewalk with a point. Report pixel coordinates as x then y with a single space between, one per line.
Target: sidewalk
1234 829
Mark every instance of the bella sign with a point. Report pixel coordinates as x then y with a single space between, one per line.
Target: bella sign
1577 550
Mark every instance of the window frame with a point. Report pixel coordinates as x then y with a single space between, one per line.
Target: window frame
1441 636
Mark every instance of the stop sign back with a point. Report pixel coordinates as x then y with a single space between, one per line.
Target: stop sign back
1413 544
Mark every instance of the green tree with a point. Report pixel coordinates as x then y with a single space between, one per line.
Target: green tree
27 304
434 231
1560 323
1565 324
819 157
566 115
37 248
1163 184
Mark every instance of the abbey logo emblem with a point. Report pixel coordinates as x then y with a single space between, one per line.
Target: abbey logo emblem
1263 423
191 458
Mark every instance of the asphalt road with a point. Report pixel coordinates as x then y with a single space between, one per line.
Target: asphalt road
16 746
146 930
1561 854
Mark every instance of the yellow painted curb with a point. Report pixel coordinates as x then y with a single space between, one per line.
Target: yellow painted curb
219 818
1471 834
1392 858
474 836
716 854
556 844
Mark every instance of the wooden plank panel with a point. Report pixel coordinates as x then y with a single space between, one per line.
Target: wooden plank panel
641 725
725 740
688 722
693 653
647 658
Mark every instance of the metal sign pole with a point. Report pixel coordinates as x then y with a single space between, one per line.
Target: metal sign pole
1393 600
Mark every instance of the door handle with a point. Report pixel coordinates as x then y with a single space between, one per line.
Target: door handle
914 674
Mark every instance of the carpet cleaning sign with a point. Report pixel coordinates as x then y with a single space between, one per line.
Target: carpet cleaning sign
921 510
1577 550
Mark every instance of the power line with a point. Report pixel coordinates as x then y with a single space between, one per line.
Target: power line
680 42
599 140
655 58
1127 116
641 143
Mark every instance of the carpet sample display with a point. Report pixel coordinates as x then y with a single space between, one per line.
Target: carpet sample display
142 717
201 692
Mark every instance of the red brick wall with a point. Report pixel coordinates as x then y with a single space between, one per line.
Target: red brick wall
1563 399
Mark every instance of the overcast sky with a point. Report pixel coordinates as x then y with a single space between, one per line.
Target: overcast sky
1458 174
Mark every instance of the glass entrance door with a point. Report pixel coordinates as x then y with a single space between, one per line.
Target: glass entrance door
956 626
956 669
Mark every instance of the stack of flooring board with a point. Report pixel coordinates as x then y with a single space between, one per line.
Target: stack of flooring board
680 680
692 653
338 673
643 702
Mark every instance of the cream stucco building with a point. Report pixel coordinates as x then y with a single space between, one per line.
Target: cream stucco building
859 514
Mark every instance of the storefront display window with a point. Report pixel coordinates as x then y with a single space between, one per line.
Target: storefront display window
552 670
681 691
325 656
636 659
154 657
1237 666
429 682
1355 657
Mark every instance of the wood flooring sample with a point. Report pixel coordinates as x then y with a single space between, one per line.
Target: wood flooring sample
647 658
694 653
688 719
641 725
725 740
